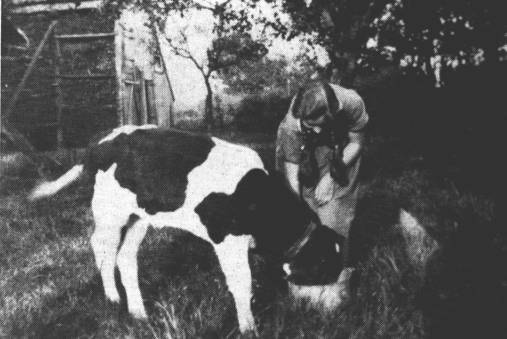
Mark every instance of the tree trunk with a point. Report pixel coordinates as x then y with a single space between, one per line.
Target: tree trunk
208 105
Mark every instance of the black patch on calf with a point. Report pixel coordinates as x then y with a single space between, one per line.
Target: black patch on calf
133 218
215 212
224 214
153 164
261 206
266 208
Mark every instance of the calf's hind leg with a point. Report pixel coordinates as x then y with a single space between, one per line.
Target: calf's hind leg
127 264
105 241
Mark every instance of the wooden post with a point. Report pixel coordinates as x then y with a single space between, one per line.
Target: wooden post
119 51
133 109
59 94
151 102
164 66
28 72
143 103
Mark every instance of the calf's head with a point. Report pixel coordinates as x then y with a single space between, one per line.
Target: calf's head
236 214
263 206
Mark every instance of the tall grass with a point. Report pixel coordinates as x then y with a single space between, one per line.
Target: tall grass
49 286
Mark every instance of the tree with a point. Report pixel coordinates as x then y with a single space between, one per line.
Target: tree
256 76
267 74
226 51
434 34
342 27
424 34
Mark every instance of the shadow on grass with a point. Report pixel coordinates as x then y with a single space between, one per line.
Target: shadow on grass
178 273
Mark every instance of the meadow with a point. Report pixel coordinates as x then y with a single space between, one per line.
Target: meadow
50 287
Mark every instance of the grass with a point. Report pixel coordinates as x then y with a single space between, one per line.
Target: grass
50 288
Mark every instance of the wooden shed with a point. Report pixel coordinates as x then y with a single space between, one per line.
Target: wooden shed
82 74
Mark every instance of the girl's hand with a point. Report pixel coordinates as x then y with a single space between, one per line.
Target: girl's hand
324 190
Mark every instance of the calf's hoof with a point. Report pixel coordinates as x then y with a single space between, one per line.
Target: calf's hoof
113 297
139 314
247 325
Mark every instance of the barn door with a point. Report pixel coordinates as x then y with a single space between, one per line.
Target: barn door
144 92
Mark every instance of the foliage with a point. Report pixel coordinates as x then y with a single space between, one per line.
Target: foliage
267 74
261 112
463 32
342 27
234 49
410 32
253 77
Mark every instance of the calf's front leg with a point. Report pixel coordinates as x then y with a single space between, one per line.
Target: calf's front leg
233 258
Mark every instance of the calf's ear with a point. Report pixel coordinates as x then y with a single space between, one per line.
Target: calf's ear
254 187
216 213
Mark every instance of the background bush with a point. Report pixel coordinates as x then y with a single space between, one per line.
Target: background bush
261 112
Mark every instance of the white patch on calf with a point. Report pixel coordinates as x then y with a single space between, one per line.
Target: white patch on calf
112 206
110 200
232 255
326 298
286 269
224 167
321 297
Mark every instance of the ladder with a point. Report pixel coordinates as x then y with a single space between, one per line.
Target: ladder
60 40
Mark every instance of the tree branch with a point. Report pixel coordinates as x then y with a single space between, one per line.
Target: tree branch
213 7
184 53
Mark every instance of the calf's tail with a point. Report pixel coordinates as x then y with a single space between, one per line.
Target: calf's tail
49 188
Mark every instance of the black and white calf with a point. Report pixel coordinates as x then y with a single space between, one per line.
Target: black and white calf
145 176
214 189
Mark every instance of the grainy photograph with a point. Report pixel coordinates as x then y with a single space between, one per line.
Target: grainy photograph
252 168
